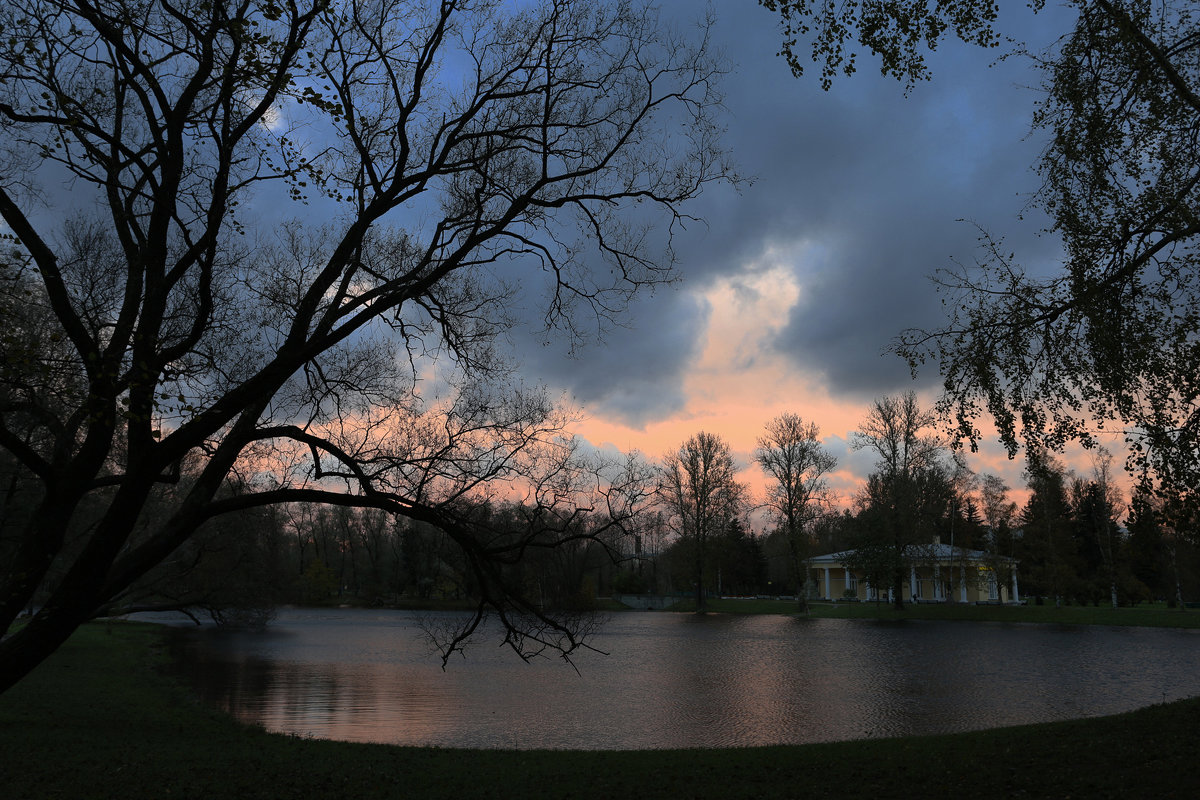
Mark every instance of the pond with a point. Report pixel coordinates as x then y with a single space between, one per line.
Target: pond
680 680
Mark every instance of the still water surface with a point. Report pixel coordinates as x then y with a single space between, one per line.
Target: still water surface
681 680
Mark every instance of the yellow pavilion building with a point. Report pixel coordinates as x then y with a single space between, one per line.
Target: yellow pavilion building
938 573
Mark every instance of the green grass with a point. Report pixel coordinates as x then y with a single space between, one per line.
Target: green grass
101 720
1148 615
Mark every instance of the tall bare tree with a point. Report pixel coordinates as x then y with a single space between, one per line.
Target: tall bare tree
897 430
999 513
449 157
961 482
791 454
702 495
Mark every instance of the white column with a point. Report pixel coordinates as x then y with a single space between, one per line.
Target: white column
848 582
912 582
937 581
827 597
1016 594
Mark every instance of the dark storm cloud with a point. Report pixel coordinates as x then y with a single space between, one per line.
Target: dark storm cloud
860 189
875 184
902 196
632 373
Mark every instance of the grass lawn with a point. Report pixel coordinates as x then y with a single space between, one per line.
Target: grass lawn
101 720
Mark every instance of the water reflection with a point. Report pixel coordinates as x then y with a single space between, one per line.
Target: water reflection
681 680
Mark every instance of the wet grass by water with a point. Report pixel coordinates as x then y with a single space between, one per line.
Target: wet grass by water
101 719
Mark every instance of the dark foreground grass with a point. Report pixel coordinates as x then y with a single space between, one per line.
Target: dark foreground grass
100 720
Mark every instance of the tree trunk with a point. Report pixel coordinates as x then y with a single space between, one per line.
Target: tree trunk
802 587
24 650
1178 586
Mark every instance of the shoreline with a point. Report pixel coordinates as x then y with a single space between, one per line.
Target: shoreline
102 718
1156 615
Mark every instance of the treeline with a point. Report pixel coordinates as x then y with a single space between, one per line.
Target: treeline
1075 539
1072 543
241 567
244 565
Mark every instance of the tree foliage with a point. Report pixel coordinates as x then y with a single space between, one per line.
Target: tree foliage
1112 340
1162 558
1048 566
898 33
452 161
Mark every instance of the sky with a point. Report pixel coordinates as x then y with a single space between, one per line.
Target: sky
798 281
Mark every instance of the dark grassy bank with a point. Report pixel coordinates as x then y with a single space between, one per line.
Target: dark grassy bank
100 720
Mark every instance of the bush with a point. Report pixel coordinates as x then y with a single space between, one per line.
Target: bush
318 583
629 582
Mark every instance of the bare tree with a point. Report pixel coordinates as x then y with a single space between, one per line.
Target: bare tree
458 155
999 513
1101 502
896 428
791 454
702 495
962 480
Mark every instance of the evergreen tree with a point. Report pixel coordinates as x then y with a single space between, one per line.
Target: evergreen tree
1147 549
1047 550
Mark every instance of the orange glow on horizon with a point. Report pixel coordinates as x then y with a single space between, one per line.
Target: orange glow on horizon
739 384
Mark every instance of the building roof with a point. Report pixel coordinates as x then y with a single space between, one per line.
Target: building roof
934 551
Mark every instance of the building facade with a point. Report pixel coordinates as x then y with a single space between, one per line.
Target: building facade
938 573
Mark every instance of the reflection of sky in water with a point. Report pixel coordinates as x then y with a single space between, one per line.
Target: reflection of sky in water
673 680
